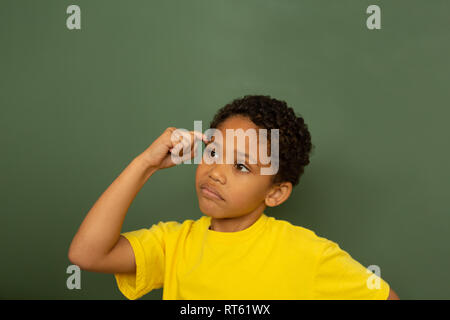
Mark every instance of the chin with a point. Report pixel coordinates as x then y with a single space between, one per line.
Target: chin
211 210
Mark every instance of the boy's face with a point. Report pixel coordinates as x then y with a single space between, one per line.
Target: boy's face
241 186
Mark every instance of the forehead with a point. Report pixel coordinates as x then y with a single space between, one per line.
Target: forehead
243 123
239 126
237 122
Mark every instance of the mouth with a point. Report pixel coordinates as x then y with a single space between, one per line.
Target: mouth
210 192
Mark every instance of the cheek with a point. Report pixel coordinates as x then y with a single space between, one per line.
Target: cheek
200 168
200 172
197 173
249 192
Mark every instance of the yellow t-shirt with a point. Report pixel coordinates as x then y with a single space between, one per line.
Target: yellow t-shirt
270 260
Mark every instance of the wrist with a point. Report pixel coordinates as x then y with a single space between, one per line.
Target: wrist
144 165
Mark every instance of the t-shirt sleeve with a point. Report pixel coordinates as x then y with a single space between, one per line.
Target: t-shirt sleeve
340 277
149 247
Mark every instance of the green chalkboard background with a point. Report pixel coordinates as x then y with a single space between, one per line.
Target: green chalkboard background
78 105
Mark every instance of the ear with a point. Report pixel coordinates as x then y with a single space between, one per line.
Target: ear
278 194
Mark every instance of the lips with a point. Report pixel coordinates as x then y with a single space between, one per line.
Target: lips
209 190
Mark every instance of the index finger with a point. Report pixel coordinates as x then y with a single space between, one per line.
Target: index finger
200 136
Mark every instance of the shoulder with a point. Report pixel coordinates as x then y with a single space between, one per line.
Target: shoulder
299 245
299 236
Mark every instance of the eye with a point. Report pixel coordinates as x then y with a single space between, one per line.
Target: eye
240 165
212 151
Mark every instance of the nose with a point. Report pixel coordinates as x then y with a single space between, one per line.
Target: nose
216 172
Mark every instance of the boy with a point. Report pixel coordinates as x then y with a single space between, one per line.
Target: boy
234 251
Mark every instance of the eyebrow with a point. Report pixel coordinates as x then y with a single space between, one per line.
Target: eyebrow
242 153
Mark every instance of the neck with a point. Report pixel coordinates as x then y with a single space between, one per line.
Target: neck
235 224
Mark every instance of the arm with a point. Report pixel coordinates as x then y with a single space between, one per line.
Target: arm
98 246
393 295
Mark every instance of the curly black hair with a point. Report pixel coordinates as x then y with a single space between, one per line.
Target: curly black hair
269 113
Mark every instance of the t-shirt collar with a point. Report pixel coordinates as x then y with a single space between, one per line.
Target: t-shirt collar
237 235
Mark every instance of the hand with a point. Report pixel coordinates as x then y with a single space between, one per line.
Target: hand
172 143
